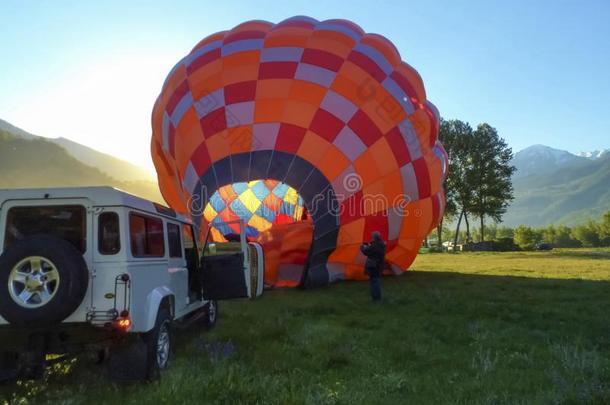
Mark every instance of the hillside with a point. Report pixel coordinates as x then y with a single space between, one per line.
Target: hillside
540 159
37 162
11 129
116 168
553 186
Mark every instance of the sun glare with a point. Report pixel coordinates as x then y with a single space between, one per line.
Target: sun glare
104 104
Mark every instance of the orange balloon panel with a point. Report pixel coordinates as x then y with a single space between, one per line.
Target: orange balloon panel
285 248
321 106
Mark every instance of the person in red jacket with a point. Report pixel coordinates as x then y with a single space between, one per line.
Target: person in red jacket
375 255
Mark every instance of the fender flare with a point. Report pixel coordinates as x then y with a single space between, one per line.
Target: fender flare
157 298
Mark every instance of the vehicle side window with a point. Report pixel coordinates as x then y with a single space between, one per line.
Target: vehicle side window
66 222
146 235
173 239
190 248
187 235
109 241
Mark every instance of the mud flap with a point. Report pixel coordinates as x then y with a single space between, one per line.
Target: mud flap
128 362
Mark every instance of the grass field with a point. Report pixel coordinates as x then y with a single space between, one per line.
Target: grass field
458 328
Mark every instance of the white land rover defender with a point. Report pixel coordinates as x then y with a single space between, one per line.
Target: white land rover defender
96 268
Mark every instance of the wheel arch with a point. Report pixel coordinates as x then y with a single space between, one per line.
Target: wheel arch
160 297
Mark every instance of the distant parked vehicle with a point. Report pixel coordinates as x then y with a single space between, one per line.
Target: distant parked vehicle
544 246
99 269
448 246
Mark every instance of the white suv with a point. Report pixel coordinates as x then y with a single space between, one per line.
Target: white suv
97 268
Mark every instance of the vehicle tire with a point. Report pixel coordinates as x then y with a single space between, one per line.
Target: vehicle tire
43 280
211 314
158 345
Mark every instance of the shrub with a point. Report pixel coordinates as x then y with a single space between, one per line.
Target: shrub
587 234
505 245
526 237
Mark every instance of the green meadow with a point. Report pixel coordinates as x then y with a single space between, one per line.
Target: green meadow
482 328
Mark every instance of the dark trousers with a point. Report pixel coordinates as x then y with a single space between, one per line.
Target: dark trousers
375 287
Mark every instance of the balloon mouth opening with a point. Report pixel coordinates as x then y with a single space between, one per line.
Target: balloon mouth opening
261 204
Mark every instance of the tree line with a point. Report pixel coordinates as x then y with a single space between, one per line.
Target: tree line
479 181
588 234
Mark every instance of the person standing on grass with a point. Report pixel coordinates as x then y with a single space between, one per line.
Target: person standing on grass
375 254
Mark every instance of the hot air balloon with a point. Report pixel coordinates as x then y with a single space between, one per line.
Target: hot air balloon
322 107
259 203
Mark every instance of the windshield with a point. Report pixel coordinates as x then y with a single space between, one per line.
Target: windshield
63 221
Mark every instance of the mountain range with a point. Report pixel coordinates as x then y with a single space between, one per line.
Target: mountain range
551 185
116 168
556 186
27 160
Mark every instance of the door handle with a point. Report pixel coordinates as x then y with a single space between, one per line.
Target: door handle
174 270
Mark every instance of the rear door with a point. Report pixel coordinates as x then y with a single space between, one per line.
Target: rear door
69 219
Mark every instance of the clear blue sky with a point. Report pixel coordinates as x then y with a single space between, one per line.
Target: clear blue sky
539 71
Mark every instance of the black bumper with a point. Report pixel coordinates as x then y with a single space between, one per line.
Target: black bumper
62 338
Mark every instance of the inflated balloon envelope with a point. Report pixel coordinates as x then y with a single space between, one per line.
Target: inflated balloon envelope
320 106
261 204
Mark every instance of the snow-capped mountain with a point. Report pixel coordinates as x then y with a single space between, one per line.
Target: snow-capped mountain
538 159
556 186
596 154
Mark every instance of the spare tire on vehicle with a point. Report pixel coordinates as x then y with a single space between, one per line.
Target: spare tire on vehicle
43 280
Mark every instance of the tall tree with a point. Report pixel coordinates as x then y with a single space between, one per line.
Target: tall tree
489 177
456 137
450 208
